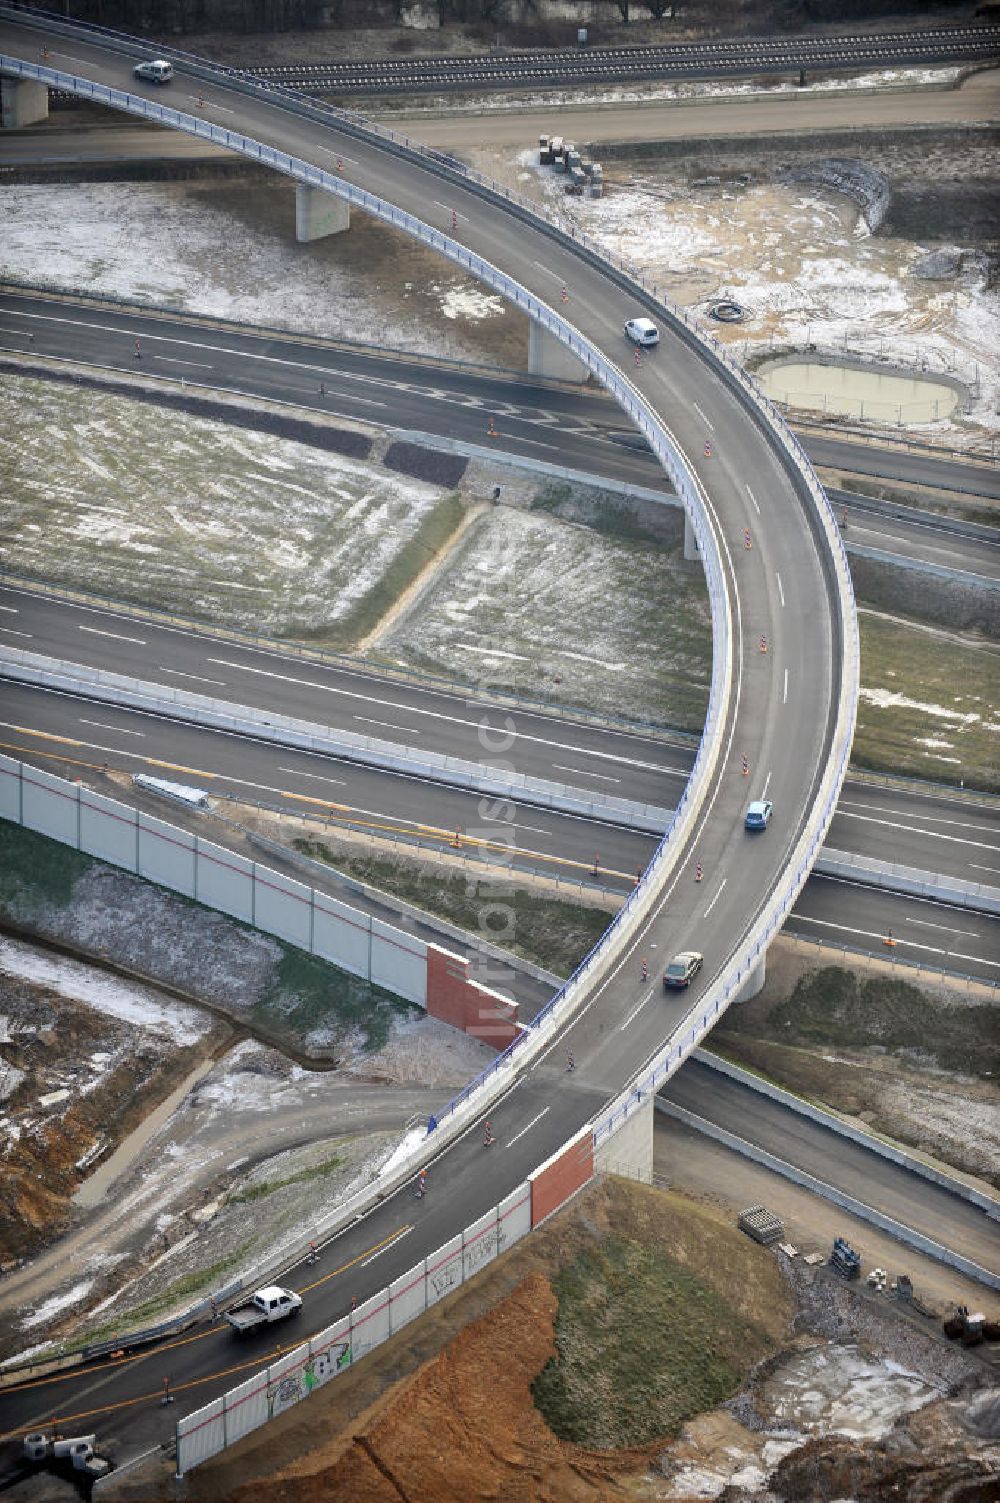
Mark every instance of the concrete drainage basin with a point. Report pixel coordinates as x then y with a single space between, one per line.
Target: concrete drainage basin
860 391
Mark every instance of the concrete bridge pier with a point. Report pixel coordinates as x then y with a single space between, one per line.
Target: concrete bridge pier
754 981
318 214
629 1151
23 101
548 356
690 541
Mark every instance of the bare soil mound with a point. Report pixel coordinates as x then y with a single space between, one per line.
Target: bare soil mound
446 1412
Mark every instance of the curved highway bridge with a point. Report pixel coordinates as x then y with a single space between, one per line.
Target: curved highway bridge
784 670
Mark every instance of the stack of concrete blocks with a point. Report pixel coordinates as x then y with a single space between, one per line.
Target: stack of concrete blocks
594 173
583 176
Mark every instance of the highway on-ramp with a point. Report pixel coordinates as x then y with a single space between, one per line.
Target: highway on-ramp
789 708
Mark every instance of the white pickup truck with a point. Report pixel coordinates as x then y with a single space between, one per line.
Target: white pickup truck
263 1308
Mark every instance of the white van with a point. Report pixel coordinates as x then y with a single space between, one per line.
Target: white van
156 71
642 331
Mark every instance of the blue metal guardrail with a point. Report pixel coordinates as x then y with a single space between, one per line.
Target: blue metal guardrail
669 455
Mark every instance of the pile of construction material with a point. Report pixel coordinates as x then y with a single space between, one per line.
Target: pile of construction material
582 175
844 1260
761 1224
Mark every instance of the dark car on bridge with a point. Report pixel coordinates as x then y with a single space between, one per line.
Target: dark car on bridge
683 969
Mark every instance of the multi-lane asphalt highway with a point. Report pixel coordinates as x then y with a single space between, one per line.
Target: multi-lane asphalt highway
938 832
577 430
931 831
622 1021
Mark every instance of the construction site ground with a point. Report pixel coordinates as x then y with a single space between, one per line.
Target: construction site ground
445 1410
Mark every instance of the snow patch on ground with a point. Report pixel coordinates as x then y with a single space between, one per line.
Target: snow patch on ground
254 531
652 92
837 1390
56 1304
792 257
199 249
884 699
127 1000
521 587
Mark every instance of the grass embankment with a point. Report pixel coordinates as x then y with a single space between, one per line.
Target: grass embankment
641 1345
929 703
833 1008
35 872
307 994
547 931
203 1280
290 994
268 1187
430 540
962 508
587 611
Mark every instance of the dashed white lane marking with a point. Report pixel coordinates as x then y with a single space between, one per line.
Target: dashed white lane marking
909 944
896 824
386 725
580 773
718 895
784 693
119 730
11 610
977 868
317 777
417 710
933 819
527 1127
195 678
703 416
636 1010
10 631
945 928
767 784
781 593
753 501
549 272
331 152
202 365
117 635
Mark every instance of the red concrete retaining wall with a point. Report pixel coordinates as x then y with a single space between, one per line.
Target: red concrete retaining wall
568 1171
455 998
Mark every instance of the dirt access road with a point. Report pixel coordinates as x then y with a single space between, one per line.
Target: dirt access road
977 99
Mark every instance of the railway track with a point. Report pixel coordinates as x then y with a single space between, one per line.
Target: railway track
730 58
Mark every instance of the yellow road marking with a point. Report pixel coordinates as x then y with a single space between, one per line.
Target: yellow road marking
82 1372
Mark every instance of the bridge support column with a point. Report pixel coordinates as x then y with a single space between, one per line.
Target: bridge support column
23 101
548 356
318 214
629 1151
690 542
754 982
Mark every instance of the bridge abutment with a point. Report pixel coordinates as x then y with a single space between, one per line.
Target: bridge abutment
629 1151
23 101
548 356
318 214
